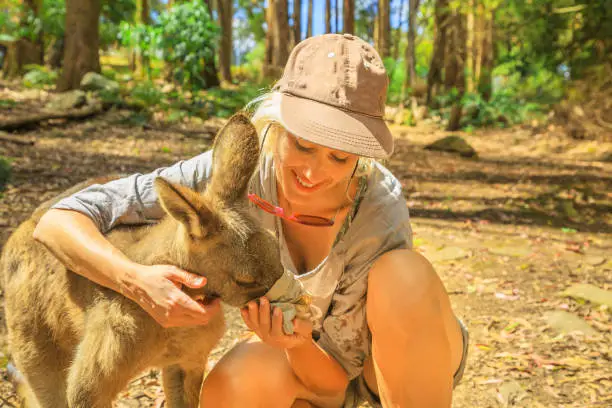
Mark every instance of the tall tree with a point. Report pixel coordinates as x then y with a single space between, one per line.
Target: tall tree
384 28
398 31
310 21
470 45
348 14
82 42
487 56
256 17
277 47
410 54
328 16
336 12
36 6
210 74
140 63
454 69
434 75
297 21
226 16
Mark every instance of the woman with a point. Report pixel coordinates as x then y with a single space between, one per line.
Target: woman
386 332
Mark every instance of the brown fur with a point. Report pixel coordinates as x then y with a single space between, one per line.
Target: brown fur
78 344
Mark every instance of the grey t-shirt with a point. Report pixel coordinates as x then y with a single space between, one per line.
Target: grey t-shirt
338 284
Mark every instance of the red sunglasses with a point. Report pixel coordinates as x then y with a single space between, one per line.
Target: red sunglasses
312 220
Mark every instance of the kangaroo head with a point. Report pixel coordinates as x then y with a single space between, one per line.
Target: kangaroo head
216 237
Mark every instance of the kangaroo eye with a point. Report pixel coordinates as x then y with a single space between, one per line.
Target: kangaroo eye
247 284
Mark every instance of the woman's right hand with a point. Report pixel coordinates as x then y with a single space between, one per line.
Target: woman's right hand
157 289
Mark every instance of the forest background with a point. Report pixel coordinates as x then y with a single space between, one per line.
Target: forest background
464 63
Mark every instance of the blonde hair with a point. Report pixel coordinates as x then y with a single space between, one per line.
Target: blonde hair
264 112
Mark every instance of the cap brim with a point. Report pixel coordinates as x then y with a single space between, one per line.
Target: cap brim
336 128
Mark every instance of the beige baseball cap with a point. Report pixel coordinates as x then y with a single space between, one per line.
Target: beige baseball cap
333 92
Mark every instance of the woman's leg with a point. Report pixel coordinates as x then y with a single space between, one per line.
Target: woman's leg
253 375
416 340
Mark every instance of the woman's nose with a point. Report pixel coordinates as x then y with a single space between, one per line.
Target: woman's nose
308 172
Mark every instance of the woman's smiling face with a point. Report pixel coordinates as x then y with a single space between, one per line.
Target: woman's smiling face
312 174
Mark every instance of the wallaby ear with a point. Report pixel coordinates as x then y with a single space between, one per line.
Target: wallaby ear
235 155
186 206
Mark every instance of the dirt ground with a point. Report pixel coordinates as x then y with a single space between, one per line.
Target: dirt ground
507 233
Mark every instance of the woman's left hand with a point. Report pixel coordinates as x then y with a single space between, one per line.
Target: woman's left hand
268 325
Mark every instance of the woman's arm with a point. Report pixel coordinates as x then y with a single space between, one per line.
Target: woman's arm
316 369
76 241
72 231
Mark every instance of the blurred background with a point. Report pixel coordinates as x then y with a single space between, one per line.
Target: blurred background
502 62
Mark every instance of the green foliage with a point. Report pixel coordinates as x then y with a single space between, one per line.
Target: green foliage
538 85
225 102
8 24
187 37
7 103
502 110
53 17
38 76
397 74
29 27
5 172
254 61
256 18
365 16
146 94
113 13
573 34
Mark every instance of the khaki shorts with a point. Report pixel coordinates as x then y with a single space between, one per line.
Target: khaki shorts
358 391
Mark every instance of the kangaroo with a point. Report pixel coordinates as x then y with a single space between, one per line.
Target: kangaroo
78 344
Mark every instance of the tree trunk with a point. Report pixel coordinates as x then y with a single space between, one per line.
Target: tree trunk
450 53
268 56
384 28
479 30
441 21
277 50
398 32
328 16
485 85
309 22
142 64
56 52
282 33
336 12
297 21
410 55
210 73
82 42
457 56
226 15
348 14
36 7
470 46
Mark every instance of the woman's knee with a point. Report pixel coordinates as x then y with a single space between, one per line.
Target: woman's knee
251 374
399 282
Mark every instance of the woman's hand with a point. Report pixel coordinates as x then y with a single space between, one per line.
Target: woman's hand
268 325
157 289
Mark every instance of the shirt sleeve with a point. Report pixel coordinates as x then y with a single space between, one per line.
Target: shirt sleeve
345 334
133 199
